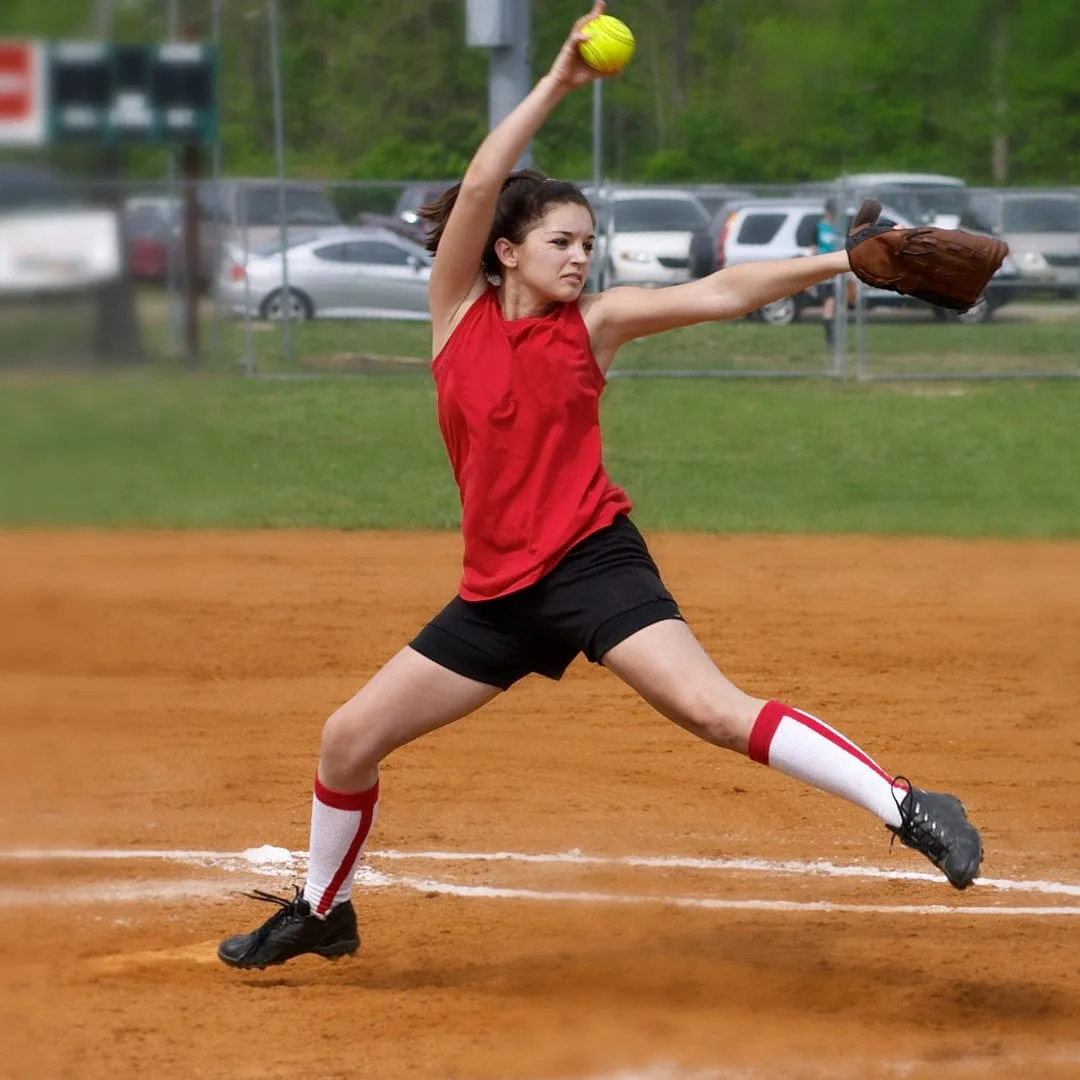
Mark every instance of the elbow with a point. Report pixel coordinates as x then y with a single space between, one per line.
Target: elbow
482 181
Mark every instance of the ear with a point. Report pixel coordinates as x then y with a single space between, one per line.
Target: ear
506 252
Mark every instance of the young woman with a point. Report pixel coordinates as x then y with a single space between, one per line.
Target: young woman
553 566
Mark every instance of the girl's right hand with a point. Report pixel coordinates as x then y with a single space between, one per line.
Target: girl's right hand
570 69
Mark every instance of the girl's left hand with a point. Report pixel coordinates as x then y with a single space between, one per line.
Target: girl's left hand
569 69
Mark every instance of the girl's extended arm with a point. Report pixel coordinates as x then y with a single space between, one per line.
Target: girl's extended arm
622 314
456 270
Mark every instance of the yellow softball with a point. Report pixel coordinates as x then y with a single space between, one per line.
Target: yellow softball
610 46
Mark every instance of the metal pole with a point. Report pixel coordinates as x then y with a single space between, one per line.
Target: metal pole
248 359
102 18
215 181
176 311
509 75
279 153
597 168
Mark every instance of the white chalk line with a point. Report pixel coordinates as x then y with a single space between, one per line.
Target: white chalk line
272 860
972 1064
268 859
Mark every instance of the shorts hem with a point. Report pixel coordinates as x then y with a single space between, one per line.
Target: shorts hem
618 628
429 643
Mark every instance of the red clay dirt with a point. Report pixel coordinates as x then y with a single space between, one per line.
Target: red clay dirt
165 692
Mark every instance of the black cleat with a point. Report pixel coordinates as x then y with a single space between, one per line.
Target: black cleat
291 931
938 826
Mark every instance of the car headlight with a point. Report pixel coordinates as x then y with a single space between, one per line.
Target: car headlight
1030 261
636 256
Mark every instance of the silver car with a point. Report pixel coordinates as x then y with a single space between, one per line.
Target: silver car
345 273
1042 229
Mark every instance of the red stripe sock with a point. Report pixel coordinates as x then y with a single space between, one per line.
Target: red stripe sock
802 746
340 824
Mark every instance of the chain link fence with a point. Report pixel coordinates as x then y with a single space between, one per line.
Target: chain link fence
200 280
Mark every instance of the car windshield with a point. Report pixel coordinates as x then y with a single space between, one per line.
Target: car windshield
1041 215
658 215
33 189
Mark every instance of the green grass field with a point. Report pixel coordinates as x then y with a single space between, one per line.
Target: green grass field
905 345
158 450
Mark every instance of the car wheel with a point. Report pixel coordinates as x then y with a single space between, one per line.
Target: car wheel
780 312
274 306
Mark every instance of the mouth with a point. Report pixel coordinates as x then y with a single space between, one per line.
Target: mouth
574 279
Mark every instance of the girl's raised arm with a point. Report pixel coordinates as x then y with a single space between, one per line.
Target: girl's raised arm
456 276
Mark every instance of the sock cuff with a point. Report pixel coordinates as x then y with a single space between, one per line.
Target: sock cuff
346 800
761 734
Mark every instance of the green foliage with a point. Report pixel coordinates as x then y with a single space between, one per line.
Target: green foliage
719 91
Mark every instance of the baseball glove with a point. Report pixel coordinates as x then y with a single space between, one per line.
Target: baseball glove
946 267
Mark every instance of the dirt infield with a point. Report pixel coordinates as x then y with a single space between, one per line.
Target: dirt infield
162 697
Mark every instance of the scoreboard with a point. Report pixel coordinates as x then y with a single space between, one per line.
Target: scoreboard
133 93
106 93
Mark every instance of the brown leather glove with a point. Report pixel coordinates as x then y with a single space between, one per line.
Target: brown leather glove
946 267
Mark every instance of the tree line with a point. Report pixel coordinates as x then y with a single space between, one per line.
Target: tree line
729 91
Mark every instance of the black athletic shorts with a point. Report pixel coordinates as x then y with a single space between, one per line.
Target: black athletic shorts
604 589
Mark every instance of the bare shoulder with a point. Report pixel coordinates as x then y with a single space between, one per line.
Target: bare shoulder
621 314
444 323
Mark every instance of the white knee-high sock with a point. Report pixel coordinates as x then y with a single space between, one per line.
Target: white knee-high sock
802 746
340 824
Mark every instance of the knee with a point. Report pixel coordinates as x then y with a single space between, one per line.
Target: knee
351 741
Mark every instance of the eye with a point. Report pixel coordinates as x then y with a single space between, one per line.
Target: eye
588 247
559 241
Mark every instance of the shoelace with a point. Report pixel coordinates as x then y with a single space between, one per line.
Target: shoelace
290 909
917 830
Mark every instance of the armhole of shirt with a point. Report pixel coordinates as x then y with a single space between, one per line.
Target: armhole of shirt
578 322
451 342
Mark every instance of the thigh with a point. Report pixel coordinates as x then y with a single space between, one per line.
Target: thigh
667 666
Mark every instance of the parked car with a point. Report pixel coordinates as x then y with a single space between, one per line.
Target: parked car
704 243
152 236
52 240
1042 229
404 219
787 228
643 235
231 213
921 198
347 273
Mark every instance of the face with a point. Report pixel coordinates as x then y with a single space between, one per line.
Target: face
553 259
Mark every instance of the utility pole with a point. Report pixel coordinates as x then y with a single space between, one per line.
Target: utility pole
504 28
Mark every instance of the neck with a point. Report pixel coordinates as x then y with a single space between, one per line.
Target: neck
517 302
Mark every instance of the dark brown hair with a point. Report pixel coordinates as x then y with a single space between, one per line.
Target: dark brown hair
523 201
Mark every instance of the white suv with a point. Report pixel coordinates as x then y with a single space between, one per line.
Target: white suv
785 228
643 235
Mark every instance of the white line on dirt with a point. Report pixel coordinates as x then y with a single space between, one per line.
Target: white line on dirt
270 859
277 860
426 885
108 892
973 1065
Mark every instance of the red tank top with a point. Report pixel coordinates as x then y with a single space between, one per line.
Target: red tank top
519 411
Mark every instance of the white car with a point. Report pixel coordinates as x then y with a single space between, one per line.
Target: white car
345 273
643 235
51 242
